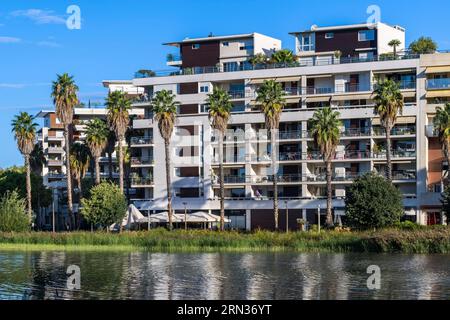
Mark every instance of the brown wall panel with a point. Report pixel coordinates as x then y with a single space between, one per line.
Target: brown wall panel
189 109
207 55
189 172
344 40
189 88
435 159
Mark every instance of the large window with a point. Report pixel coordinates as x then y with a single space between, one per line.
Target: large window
307 42
366 35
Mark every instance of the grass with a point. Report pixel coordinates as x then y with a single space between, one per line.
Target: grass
423 240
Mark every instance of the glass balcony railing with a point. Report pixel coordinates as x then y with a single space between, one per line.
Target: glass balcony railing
396 131
356 132
436 84
250 67
290 135
227 179
141 140
136 161
139 181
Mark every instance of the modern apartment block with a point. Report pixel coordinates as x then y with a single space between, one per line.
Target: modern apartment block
51 138
318 79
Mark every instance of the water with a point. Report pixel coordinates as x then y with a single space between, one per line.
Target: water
266 276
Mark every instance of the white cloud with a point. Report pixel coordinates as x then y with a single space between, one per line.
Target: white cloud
22 85
50 44
40 16
9 40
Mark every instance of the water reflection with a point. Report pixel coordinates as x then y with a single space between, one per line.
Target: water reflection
265 276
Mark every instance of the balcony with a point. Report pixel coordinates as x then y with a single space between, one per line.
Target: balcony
141 141
395 154
142 123
230 179
55 162
438 84
142 161
290 156
247 67
237 94
355 132
56 175
55 150
396 131
290 135
174 60
55 138
431 131
139 182
229 160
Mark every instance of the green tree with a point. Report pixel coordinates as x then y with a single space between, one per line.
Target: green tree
394 44
118 106
442 124
37 159
97 134
13 213
110 148
373 202
14 178
259 58
271 98
106 205
79 164
283 56
388 105
64 94
219 114
423 45
25 134
324 127
165 111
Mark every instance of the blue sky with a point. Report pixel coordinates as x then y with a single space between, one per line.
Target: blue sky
119 37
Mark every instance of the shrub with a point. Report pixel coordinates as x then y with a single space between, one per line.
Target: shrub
105 206
445 200
423 45
408 225
13 213
373 202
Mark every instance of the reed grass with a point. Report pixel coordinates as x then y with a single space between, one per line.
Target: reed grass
424 240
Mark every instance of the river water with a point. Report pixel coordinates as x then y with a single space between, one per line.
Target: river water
266 276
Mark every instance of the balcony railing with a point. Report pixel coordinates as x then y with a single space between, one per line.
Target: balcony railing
237 94
249 67
230 179
395 154
141 140
356 132
139 181
396 131
54 162
137 161
58 175
55 149
235 159
436 84
290 135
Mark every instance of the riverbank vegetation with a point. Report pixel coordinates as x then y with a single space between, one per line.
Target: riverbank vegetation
396 240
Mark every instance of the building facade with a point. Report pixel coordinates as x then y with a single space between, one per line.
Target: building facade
344 81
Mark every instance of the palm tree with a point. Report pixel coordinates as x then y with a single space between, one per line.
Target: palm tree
442 124
25 134
118 106
64 94
388 105
37 159
324 128
165 111
219 114
394 44
97 138
271 98
79 164
283 56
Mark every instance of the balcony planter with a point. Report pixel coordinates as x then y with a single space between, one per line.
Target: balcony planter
301 224
337 57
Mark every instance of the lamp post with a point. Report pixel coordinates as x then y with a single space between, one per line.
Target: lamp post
185 215
287 216
318 217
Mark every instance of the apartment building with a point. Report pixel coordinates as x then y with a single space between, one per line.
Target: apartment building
51 138
345 82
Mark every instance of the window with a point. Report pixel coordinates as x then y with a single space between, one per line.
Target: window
366 35
329 35
307 42
366 56
204 89
225 44
196 46
204 108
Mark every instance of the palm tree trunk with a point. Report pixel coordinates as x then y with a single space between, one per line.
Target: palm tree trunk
329 221
80 196
28 185
120 165
388 153
97 170
69 176
168 183
275 176
222 183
